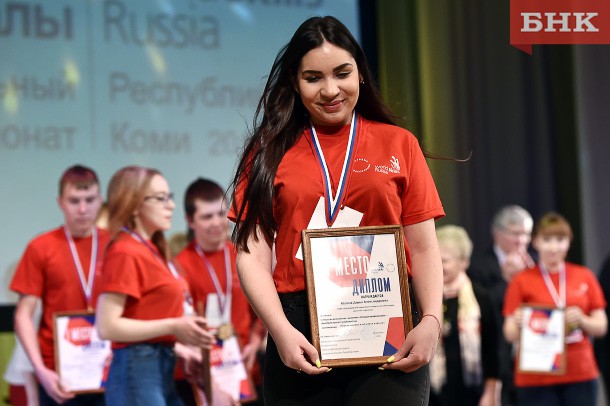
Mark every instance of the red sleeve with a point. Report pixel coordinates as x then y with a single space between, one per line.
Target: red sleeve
598 301
120 273
28 278
239 193
238 198
420 201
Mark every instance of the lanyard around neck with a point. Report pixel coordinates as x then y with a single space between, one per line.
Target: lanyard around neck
333 203
558 297
86 282
141 239
223 298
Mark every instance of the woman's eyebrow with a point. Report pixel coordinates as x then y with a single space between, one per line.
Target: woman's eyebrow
317 72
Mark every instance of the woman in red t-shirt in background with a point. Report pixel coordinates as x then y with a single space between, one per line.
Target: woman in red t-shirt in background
558 284
143 307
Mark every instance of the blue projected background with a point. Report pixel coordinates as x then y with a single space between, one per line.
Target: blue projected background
167 84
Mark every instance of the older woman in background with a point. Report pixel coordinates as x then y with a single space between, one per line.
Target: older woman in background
465 367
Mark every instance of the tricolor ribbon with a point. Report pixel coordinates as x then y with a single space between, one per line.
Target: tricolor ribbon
333 203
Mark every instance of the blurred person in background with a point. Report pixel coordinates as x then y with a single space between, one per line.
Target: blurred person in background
208 263
58 270
556 283
602 344
144 304
493 269
464 369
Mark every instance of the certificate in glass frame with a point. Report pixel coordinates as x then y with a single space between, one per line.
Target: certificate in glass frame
358 293
82 359
542 342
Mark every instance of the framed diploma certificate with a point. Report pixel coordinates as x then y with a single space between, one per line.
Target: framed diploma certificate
542 344
358 292
82 359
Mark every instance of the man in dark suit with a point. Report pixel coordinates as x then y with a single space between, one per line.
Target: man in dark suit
494 268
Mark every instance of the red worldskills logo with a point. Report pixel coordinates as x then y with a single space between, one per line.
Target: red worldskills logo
78 331
539 321
558 22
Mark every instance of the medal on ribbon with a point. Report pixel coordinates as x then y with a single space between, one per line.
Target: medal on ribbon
333 203
225 331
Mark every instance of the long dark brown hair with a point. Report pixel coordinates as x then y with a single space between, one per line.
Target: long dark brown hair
281 117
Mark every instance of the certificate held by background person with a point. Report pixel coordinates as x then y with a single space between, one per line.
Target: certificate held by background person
82 358
542 345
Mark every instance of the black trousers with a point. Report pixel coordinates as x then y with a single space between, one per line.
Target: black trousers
342 386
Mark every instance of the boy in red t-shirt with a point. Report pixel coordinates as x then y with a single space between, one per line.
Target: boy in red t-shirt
208 264
58 268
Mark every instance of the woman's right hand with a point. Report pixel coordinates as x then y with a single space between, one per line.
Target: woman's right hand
297 352
512 326
192 330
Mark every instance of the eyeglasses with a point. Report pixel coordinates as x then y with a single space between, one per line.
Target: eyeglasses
515 233
161 197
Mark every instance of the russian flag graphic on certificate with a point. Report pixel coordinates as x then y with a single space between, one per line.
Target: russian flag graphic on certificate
395 336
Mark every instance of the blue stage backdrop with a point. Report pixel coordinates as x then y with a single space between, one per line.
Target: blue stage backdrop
167 84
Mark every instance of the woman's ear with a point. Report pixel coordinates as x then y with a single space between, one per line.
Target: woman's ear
294 81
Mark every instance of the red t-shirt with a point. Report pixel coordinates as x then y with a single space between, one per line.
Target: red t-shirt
47 270
582 290
389 181
137 270
201 284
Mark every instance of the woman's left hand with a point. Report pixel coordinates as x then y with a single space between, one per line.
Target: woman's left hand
418 348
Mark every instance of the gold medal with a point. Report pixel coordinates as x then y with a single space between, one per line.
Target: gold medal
225 331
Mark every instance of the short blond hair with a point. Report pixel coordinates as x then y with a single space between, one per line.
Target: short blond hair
457 237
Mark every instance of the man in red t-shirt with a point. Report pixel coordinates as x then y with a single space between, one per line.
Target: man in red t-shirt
208 263
58 268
